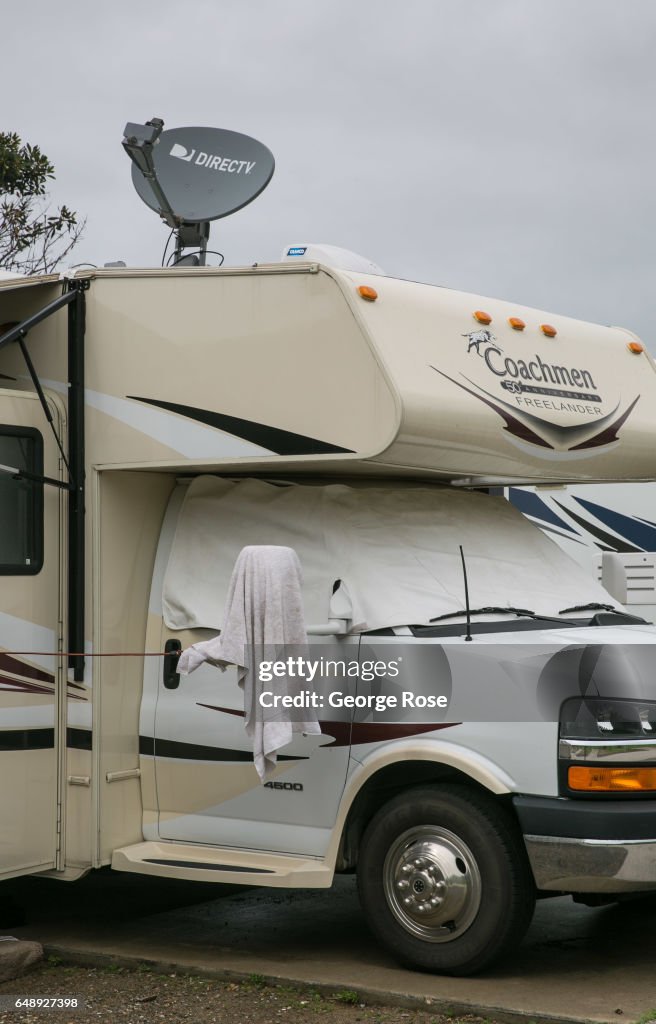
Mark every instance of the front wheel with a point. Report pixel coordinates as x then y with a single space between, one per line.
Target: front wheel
444 880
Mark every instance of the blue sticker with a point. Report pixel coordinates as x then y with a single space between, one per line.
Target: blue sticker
297 251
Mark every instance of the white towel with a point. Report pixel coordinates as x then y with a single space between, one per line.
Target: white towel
263 614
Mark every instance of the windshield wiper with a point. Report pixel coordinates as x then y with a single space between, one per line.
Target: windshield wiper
492 610
528 614
594 606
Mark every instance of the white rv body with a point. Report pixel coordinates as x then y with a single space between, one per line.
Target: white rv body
301 376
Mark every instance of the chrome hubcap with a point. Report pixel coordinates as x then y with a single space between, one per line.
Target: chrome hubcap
432 883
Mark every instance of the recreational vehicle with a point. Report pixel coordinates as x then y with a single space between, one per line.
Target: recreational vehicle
155 422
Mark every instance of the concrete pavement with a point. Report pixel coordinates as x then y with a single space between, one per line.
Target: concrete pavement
576 963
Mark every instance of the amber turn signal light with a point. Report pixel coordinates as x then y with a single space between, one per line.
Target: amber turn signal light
547 329
611 780
516 323
636 347
365 292
483 318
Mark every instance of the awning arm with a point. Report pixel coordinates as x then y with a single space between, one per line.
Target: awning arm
74 298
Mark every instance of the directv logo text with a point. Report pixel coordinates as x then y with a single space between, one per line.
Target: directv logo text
213 163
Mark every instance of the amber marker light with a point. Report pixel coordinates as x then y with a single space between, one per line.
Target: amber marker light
547 329
516 323
483 318
611 780
636 347
365 292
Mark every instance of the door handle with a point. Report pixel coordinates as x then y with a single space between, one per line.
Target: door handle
170 675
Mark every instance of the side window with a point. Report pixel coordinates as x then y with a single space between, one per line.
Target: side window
21 502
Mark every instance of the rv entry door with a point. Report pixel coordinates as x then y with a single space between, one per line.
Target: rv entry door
199 783
207 787
30 634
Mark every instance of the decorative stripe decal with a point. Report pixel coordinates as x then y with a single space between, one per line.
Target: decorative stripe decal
204 866
531 505
280 442
43 739
152 747
8 683
27 739
11 684
642 533
564 437
614 543
348 733
21 668
558 533
377 732
79 739
609 435
513 425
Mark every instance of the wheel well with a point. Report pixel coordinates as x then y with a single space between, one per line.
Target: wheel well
384 785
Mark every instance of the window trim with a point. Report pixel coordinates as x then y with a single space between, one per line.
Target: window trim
35 567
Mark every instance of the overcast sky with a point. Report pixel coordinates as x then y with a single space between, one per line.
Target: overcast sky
503 147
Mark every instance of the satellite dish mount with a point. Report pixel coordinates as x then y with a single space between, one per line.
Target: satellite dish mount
192 176
138 144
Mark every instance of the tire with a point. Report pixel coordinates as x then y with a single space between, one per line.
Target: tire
457 855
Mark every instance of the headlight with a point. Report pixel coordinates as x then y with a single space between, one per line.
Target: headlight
600 718
607 747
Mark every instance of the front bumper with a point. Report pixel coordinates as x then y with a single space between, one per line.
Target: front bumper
595 846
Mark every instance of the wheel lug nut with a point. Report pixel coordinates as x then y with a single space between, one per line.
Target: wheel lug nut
403 884
418 863
435 902
407 869
408 901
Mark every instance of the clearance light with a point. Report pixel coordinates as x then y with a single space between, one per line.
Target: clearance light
365 292
547 329
483 318
516 323
611 780
636 347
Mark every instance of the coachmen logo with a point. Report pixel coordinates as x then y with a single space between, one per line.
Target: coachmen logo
533 385
210 161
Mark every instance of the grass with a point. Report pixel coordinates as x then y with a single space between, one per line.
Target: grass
347 996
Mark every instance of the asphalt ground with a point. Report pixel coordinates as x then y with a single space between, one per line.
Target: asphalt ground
576 963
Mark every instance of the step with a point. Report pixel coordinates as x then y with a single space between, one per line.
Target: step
215 864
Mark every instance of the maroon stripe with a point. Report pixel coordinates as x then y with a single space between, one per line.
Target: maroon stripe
374 732
513 425
19 685
608 435
226 711
21 668
345 733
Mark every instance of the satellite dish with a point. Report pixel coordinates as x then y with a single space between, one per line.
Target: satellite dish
206 173
192 176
